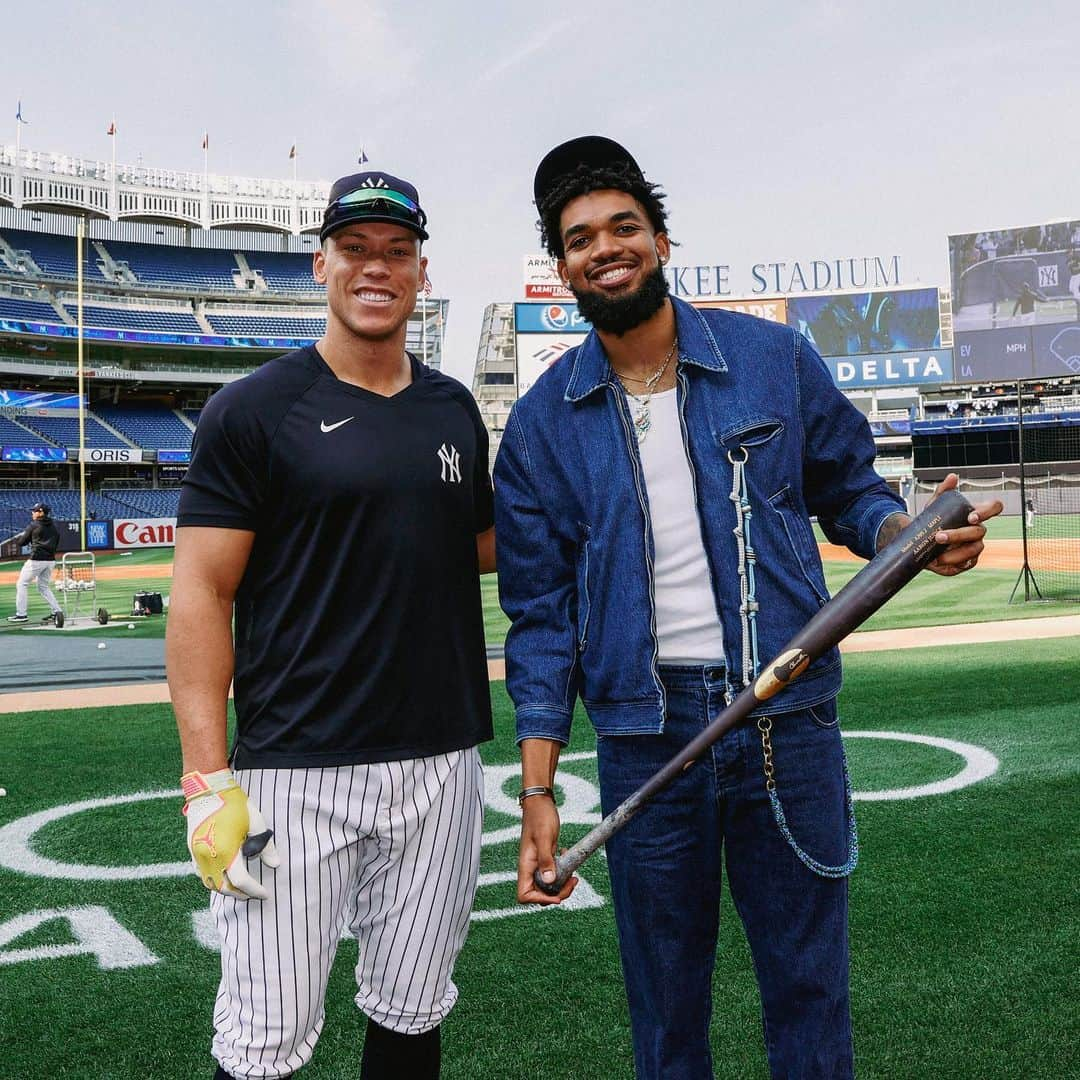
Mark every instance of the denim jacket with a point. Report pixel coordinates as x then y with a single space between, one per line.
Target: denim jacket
575 546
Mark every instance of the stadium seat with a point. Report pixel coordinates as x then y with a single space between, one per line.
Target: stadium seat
11 434
173 321
27 310
64 431
152 428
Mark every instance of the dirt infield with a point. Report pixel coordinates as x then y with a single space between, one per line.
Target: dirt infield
109 573
999 554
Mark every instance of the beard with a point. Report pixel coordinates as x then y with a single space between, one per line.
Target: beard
616 315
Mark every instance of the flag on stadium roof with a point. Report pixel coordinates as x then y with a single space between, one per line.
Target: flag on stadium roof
427 285
112 128
292 152
18 113
363 159
206 141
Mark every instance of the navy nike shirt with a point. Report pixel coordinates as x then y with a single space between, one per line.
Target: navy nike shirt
359 628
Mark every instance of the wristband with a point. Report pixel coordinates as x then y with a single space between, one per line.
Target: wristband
525 793
195 783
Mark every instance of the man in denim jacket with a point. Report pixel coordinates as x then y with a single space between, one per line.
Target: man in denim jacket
653 492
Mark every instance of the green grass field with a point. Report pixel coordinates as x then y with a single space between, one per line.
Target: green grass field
978 596
963 926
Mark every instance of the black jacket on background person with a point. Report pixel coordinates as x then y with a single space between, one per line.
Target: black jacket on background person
43 538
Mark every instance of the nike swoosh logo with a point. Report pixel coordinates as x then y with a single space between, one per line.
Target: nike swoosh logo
324 426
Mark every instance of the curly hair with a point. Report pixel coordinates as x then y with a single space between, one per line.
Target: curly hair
587 178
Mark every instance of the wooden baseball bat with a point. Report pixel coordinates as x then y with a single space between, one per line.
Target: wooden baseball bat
879 580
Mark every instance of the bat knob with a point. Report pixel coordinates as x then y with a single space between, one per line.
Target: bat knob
551 888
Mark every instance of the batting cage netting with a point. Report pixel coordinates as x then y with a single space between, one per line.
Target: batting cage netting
1052 508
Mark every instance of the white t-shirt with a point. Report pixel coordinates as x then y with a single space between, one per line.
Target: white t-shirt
687 623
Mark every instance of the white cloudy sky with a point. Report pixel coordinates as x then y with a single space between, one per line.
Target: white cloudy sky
781 131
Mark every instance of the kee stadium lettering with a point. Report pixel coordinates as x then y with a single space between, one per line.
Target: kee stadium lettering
817 275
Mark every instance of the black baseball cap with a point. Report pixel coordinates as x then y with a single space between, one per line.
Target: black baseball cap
43 507
373 196
592 150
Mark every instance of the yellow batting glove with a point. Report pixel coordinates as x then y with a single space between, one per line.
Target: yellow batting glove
224 828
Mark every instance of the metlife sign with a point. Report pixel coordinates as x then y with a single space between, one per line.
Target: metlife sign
99 535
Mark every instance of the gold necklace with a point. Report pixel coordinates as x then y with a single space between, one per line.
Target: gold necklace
642 414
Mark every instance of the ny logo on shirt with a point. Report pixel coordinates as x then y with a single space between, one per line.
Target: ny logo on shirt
451 464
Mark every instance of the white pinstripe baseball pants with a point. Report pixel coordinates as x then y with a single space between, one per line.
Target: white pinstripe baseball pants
390 851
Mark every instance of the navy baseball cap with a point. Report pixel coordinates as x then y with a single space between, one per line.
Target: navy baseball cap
43 507
373 196
591 150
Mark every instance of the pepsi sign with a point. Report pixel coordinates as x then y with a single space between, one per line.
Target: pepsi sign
549 319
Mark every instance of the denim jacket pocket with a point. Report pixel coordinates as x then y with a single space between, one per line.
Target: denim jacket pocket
751 431
583 590
801 541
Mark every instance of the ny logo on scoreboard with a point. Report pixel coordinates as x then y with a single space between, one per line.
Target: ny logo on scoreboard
451 464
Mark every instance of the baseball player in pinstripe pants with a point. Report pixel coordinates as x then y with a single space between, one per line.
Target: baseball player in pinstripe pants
338 505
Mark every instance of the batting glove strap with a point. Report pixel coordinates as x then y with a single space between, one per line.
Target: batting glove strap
194 784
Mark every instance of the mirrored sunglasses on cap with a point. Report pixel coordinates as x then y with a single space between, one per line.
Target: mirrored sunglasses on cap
375 204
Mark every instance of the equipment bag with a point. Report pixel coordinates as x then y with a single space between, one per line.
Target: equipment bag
146 603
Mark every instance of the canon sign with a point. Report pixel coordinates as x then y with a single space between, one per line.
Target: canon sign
144 532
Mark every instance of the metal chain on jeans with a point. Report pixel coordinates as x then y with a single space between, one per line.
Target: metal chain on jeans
748 611
748 605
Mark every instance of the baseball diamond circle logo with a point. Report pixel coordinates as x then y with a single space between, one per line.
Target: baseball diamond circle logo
581 801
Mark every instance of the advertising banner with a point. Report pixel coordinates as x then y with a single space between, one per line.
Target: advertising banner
774 309
891 369
542 281
144 532
98 535
858 324
549 319
537 352
153 337
174 457
37 399
118 456
33 453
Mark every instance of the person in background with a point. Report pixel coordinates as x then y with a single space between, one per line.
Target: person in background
44 538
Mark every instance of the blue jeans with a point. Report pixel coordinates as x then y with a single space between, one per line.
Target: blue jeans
665 879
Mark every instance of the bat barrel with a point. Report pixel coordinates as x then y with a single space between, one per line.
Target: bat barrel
888 572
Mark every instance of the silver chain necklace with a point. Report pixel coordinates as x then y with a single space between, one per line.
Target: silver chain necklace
642 415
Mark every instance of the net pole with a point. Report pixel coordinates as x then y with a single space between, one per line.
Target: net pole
1025 571
80 236
1023 484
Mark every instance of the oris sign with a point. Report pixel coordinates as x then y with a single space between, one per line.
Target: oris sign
144 532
